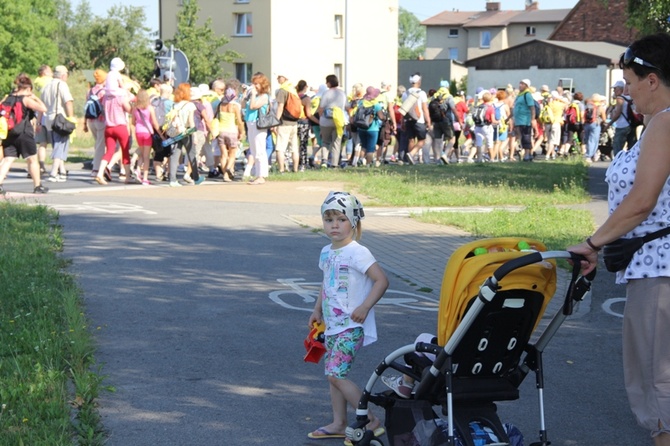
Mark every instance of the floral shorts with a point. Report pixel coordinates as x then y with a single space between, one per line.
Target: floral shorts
341 350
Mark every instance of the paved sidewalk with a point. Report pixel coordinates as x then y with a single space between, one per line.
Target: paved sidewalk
418 252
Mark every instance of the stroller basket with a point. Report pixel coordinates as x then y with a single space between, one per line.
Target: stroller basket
492 299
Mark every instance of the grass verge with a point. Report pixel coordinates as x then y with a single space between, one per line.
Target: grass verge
47 387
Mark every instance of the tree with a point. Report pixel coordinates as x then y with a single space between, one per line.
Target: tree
202 46
123 34
649 17
411 36
26 38
87 41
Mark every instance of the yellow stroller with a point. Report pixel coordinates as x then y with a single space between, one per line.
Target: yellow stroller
494 293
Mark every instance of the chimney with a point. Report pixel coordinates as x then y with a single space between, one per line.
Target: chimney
532 6
493 6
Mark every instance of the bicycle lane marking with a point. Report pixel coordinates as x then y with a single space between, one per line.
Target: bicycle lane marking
103 208
309 291
614 301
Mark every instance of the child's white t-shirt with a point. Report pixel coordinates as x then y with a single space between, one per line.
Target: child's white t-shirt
345 287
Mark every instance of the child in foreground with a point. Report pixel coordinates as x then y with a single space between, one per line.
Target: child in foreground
353 282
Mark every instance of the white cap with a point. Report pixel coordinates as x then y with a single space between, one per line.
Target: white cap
414 79
117 64
619 84
526 81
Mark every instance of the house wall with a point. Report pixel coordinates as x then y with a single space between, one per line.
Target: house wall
272 48
498 41
596 20
586 80
438 43
432 72
517 32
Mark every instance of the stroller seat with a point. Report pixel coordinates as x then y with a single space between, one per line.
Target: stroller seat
492 299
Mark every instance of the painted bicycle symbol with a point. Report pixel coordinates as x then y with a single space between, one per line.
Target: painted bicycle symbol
302 295
614 306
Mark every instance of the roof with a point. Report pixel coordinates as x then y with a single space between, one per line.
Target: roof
542 16
480 19
602 52
608 50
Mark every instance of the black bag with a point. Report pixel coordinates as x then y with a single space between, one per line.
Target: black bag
618 254
62 126
267 120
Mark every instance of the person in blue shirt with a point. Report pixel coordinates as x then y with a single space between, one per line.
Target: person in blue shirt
523 115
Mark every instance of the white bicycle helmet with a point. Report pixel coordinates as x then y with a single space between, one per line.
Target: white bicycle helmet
345 203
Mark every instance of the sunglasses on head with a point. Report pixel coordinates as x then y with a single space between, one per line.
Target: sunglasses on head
628 58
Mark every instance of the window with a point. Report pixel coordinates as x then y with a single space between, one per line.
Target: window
338 27
453 53
485 39
337 71
243 72
530 30
243 24
453 32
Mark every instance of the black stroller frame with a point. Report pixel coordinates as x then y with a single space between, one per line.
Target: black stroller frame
471 397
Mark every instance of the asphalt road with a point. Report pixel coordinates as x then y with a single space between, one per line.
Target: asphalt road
178 284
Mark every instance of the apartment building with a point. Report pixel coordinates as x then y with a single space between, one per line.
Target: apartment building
465 35
303 39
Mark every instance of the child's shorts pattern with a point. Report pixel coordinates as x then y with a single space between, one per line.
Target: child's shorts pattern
341 350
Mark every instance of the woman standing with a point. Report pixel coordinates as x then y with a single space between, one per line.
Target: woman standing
97 125
145 124
304 122
231 132
639 199
117 107
257 100
368 137
186 110
20 141
594 115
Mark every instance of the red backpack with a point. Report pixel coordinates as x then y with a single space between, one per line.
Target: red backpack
12 109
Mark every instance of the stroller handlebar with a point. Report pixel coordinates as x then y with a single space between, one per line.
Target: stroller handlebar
534 257
424 347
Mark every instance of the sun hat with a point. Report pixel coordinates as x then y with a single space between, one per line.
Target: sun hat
196 93
117 64
525 81
371 93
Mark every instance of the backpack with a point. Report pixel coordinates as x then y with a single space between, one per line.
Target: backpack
590 114
500 117
572 114
364 117
14 113
439 110
159 109
546 116
634 119
174 124
479 115
292 108
410 108
93 108
536 104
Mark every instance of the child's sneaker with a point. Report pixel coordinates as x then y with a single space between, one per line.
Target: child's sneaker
397 384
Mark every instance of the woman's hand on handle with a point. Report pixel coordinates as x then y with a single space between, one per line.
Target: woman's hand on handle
590 256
